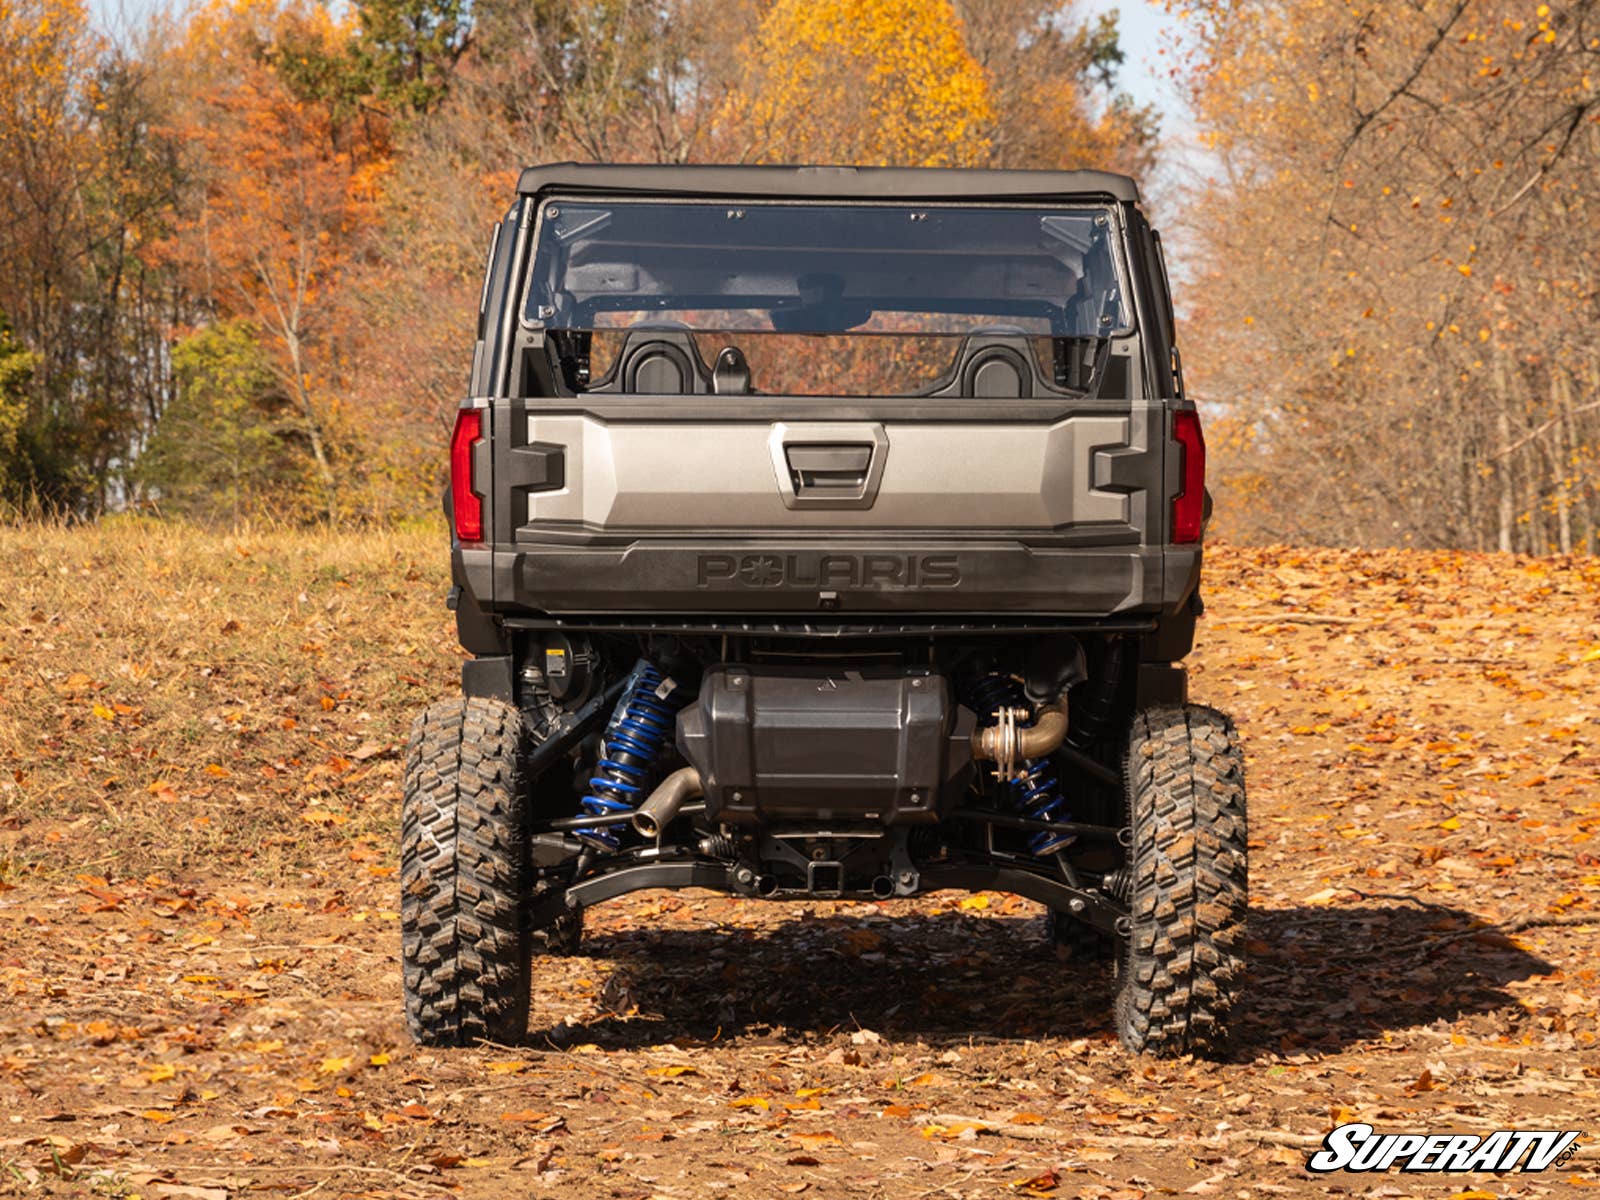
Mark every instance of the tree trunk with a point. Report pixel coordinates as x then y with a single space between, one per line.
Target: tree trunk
308 414
1508 504
1562 454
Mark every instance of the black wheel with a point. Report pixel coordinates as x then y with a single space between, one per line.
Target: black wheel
465 880
1184 959
1080 942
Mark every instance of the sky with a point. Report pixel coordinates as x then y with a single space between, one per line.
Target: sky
1146 28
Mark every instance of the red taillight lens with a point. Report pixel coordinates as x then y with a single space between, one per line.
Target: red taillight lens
465 502
1188 510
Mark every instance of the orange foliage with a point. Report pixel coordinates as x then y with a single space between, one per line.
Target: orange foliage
291 185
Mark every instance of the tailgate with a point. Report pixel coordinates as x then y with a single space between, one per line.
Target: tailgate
595 513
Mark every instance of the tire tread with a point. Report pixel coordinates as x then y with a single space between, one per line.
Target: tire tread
1184 962
465 947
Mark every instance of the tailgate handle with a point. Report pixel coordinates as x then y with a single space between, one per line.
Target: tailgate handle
822 466
828 464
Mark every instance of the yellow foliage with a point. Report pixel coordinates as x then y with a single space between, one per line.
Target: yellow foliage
864 82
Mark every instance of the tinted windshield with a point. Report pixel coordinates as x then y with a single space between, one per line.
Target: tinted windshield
795 268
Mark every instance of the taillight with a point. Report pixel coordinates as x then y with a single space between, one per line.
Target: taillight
466 503
1188 509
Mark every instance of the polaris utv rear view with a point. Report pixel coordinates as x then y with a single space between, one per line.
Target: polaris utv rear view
825 533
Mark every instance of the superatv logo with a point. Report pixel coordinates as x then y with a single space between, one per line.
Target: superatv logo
825 571
1357 1147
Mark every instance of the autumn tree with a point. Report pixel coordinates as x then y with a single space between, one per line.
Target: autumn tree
602 80
16 374
408 50
290 186
1053 91
226 442
1398 288
89 179
862 82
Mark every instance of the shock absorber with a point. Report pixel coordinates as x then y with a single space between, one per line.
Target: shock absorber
1036 790
639 728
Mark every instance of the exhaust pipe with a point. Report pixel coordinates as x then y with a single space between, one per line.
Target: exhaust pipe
656 813
1008 744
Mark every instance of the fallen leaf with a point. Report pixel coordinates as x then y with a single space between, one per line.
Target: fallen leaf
1044 1182
813 1141
180 1191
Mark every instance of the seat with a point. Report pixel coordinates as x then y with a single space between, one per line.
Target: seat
661 360
994 363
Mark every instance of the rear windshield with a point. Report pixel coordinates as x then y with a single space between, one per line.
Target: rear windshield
759 275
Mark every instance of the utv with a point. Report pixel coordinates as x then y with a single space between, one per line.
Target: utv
825 533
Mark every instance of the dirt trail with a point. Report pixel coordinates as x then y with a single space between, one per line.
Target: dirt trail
214 1012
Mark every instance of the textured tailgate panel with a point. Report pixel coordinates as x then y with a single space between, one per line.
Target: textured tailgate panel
643 477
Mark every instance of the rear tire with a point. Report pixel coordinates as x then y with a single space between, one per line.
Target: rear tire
1184 960
464 877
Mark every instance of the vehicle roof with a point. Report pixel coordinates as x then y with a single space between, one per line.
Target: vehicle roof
836 183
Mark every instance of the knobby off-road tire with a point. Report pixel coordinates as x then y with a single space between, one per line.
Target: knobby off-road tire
1184 960
466 884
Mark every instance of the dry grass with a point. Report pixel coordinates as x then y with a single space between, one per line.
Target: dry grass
179 701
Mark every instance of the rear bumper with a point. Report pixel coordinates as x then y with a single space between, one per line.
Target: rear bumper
804 579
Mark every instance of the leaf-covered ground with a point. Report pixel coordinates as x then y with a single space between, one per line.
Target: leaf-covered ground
199 746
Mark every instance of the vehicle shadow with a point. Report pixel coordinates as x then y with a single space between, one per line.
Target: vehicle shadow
1325 978
1320 979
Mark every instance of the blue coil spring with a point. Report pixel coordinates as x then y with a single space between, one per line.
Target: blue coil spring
639 728
1037 791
